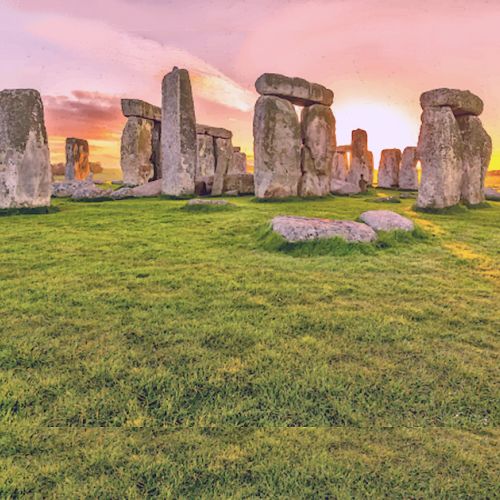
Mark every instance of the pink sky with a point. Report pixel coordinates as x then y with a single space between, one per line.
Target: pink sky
378 56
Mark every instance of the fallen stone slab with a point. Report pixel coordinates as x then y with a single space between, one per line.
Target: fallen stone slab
141 109
217 132
385 220
344 188
296 90
148 190
65 189
386 199
89 191
461 102
295 229
492 194
198 202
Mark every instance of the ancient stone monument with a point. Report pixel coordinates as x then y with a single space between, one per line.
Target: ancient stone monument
408 175
361 164
453 148
290 158
77 159
179 149
140 145
25 174
388 170
239 162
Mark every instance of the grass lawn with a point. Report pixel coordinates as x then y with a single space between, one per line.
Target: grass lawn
146 350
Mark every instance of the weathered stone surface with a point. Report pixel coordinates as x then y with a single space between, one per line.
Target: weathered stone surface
476 158
461 102
492 194
239 165
277 146
237 149
89 191
223 161
25 174
67 188
361 165
296 90
344 188
440 151
179 149
206 156
319 143
385 220
295 229
147 190
219 132
388 170
197 202
77 159
340 169
141 109
408 175
139 151
239 183
204 185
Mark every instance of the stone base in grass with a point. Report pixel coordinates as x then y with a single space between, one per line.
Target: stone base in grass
385 220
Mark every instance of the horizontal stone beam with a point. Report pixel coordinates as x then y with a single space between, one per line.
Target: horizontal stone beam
217 132
461 102
141 109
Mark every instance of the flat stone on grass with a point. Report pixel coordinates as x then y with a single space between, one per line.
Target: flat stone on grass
385 220
199 202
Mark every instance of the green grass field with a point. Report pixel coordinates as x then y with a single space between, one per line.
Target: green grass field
146 350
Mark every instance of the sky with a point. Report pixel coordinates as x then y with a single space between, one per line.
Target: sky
377 56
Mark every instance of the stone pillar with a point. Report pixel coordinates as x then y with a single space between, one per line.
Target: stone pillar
388 170
77 159
408 175
239 165
277 145
25 174
361 165
223 162
340 169
206 156
319 143
179 146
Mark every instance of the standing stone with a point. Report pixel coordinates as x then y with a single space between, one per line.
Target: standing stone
179 149
361 165
223 161
440 151
388 170
77 159
408 175
340 170
206 156
239 165
25 176
319 143
277 145
476 158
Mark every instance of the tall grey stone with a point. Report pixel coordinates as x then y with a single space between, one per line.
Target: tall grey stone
319 143
361 165
179 149
277 146
223 160
239 165
340 169
440 150
77 159
476 158
25 175
206 156
388 170
408 175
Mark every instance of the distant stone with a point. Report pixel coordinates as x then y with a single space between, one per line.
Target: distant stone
239 165
386 199
296 90
461 102
295 229
239 183
385 220
237 149
77 159
198 202
492 194
25 174
67 188
388 170
344 188
122 193
408 175
361 165
218 132
58 168
96 167
206 156
277 148
223 162
179 150
141 109
89 191
340 169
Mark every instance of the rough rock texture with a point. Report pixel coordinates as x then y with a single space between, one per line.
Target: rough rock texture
388 170
89 191
277 146
440 150
361 165
461 102
221 133
385 220
476 158
206 156
141 109
408 175
296 90
492 194
67 188
204 185
295 229
239 183
197 202
179 149
25 175
239 165
140 151
340 169
319 143
223 161
146 190
344 188
77 159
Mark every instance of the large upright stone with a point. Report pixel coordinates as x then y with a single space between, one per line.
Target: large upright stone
408 175
388 170
206 156
461 102
476 158
239 165
277 145
319 143
440 150
77 159
340 169
223 160
361 164
25 176
179 148
139 150
296 90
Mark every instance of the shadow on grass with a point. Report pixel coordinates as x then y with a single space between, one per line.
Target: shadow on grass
209 208
455 210
5 212
293 199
